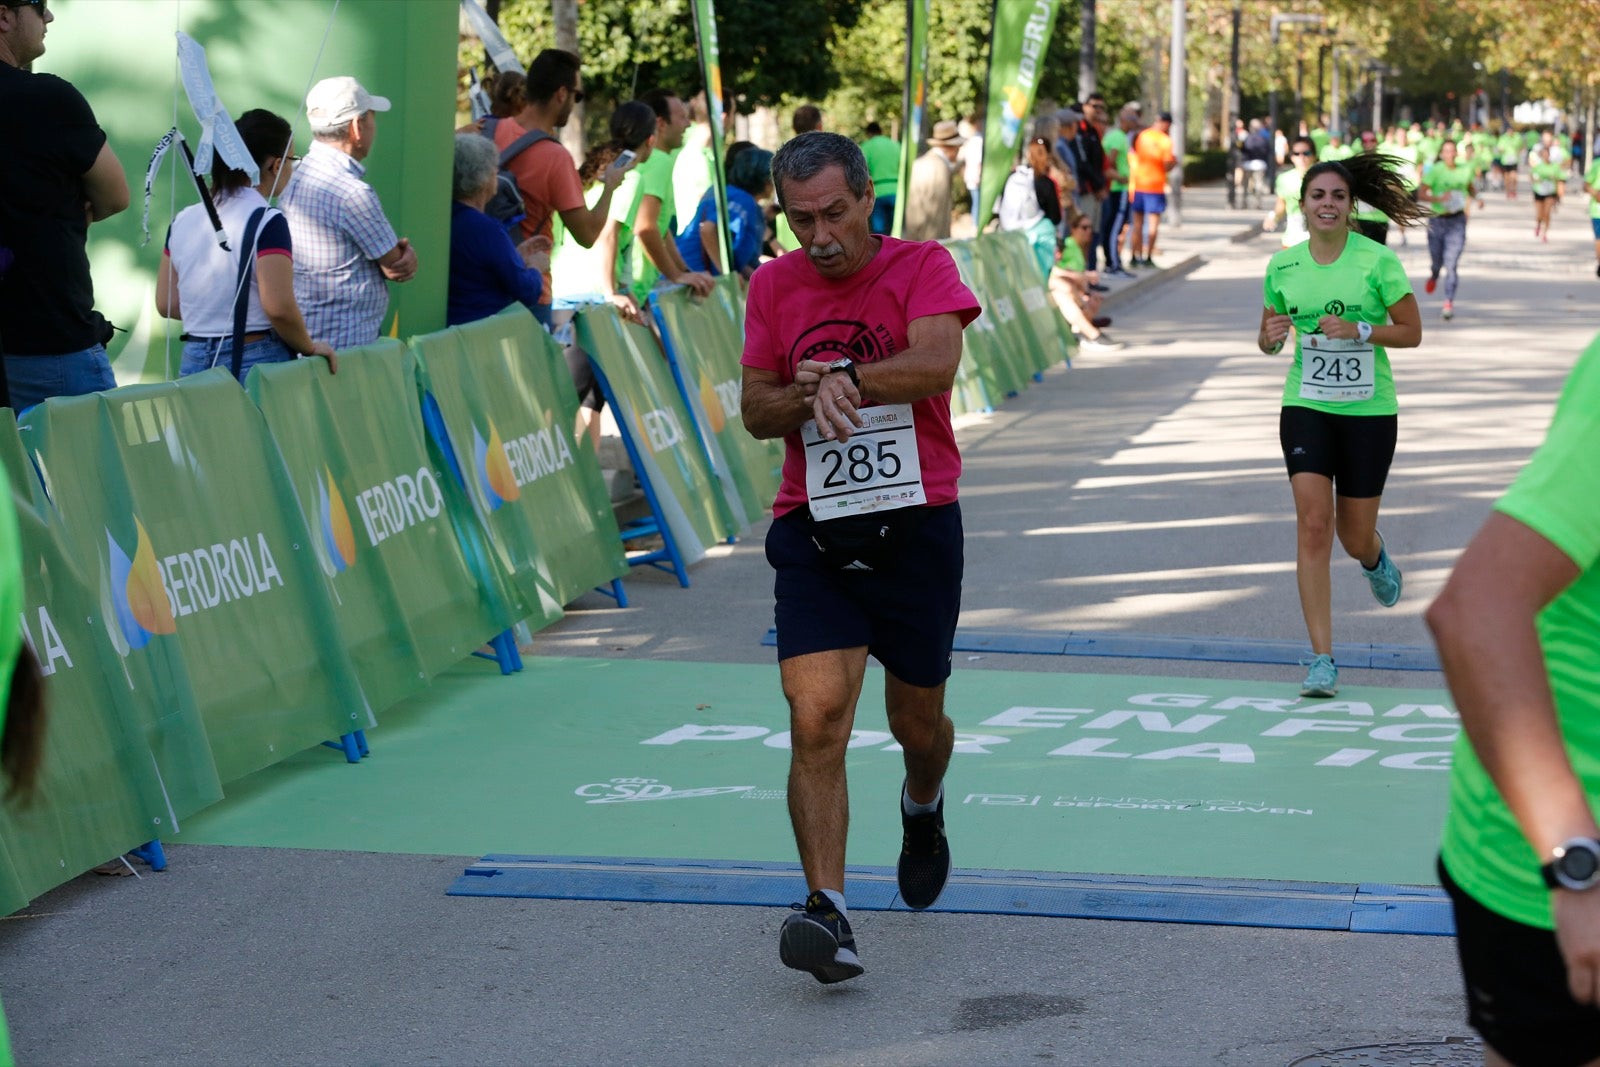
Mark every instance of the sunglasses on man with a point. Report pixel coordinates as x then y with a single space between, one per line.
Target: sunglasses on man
42 5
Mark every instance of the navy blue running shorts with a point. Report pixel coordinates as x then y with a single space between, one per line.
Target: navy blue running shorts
905 614
1517 995
1354 450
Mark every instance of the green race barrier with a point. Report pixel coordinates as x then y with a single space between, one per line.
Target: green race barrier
179 496
975 386
653 416
704 341
1018 347
407 598
506 396
125 755
1049 331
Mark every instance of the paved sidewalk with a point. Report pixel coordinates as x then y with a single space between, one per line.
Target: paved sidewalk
1139 491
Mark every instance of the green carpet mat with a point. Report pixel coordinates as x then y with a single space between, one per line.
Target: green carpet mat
1104 774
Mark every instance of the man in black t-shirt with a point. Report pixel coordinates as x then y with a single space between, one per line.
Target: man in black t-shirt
60 175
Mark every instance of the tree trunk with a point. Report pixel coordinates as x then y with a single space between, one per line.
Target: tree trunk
1086 66
565 13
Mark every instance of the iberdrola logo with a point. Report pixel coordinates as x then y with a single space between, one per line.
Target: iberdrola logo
712 404
338 542
489 462
136 599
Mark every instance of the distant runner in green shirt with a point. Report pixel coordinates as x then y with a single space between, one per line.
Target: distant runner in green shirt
1508 152
1518 629
883 165
1348 302
1548 175
1591 186
1446 187
1286 210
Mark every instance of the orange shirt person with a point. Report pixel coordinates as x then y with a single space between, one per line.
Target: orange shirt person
1150 158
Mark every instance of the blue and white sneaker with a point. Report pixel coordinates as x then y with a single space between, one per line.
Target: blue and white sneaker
1385 578
1322 679
816 938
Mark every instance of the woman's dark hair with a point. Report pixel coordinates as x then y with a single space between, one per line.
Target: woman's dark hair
750 170
1373 178
265 135
632 125
22 744
506 95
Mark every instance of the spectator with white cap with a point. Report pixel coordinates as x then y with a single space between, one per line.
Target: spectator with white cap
344 245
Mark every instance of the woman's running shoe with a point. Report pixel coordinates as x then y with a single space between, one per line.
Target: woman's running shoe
1431 285
1322 678
1448 312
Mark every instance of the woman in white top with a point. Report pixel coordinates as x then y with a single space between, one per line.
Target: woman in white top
199 280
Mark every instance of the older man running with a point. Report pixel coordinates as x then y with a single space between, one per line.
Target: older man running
851 345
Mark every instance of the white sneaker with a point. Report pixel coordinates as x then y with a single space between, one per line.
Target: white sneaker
1103 343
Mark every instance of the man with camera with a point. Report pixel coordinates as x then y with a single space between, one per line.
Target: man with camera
851 346
59 176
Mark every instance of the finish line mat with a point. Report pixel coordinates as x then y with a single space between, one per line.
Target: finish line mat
1054 774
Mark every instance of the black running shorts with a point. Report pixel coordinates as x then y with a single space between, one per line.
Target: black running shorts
905 614
1517 995
1354 450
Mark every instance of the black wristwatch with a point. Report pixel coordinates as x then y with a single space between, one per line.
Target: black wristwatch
846 365
1574 864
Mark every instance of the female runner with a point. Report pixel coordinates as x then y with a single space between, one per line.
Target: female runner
1447 185
1347 300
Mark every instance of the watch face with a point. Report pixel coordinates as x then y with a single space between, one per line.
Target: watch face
1580 864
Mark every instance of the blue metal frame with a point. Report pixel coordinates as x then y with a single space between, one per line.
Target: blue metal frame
666 558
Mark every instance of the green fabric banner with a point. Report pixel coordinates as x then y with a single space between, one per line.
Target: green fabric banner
916 99
978 385
123 58
406 596
204 564
705 35
125 755
1016 359
1021 32
654 418
507 398
704 342
1029 305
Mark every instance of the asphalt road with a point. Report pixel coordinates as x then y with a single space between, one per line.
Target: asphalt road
1140 491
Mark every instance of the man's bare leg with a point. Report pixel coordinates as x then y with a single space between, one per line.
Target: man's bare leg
822 689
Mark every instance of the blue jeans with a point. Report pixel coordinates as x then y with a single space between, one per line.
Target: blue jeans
883 214
34 379
1113 216
218 352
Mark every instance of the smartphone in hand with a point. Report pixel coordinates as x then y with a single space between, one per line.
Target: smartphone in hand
627 157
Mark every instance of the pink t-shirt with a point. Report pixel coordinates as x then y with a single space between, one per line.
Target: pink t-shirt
794 313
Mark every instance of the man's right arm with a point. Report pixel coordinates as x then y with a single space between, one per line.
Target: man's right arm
586 223
771 408
105 185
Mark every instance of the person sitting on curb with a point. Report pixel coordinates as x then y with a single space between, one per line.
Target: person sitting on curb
1071 284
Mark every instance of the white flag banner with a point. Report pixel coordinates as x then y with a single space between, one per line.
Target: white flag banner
494 42
217 132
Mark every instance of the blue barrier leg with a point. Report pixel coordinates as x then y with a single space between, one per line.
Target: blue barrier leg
615 592
361 743
352 751
152 853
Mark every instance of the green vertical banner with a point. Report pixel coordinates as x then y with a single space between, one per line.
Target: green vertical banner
507 399
125 757
177 493
705 35
704 343
123 58
916 99
974 389
655 420
407 597
1021 32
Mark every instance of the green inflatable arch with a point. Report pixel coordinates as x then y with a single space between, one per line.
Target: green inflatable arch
262 53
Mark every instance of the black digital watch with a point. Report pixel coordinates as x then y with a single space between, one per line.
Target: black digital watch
846 365
1574 864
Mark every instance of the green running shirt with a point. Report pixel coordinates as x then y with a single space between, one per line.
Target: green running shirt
1360 286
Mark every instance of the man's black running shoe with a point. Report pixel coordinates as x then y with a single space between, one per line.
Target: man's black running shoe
924 857
816 938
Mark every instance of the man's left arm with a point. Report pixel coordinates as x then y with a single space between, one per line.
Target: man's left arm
366 224
664 253
926 368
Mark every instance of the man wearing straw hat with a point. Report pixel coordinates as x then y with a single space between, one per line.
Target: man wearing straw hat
932 182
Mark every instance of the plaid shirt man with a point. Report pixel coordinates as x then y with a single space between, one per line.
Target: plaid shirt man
339 232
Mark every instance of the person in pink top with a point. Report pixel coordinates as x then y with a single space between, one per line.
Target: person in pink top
851 346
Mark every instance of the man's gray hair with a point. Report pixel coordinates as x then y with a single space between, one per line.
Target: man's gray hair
810 154
477 160
339 133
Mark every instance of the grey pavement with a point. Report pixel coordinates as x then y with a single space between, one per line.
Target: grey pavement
1140 491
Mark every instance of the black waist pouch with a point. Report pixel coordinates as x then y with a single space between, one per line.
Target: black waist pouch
869 542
